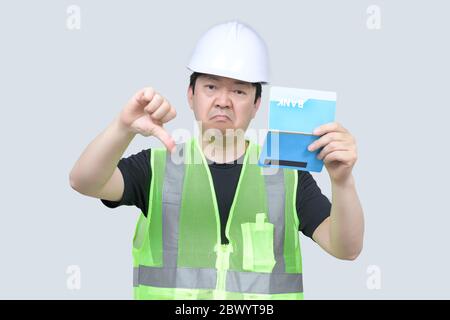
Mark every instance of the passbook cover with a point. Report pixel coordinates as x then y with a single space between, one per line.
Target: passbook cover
293 115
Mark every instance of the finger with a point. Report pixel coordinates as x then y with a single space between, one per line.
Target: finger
169 116
164 137
162 110
154 104
325 139
143 97
333 146
328 127
341 156
149 93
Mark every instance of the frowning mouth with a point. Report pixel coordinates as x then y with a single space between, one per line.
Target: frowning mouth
221 117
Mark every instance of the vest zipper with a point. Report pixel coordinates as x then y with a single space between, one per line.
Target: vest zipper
222 265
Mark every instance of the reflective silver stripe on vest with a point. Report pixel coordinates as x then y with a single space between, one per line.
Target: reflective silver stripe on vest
188 278
171 204
205 278
275 195
268 283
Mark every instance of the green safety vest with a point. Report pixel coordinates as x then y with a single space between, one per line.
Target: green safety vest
177 250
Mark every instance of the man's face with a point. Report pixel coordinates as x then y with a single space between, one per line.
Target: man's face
223 103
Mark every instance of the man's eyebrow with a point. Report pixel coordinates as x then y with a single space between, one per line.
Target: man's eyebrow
235 82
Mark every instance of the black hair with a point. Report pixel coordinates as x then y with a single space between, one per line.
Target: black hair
195 75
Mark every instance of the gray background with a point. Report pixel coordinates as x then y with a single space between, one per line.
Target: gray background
60 88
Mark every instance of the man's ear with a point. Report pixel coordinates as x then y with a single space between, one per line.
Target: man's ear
190 96
256 107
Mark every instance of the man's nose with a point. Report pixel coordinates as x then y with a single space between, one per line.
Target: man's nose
223 99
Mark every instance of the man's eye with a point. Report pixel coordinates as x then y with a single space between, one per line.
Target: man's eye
240 92
210 86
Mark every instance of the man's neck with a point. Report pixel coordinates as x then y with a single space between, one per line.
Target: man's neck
224 150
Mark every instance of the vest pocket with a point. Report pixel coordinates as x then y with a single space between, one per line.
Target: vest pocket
258 255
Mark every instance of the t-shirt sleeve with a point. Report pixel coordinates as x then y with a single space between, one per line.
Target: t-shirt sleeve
136 174
313 207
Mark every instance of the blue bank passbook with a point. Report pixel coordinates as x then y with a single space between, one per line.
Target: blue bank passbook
293 115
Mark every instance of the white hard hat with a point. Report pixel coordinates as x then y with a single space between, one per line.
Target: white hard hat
234 50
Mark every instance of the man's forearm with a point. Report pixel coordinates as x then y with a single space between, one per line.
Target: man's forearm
346 221
98 161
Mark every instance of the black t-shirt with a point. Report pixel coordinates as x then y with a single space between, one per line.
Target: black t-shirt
312 206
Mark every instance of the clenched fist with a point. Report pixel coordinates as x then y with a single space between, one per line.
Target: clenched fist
146 112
